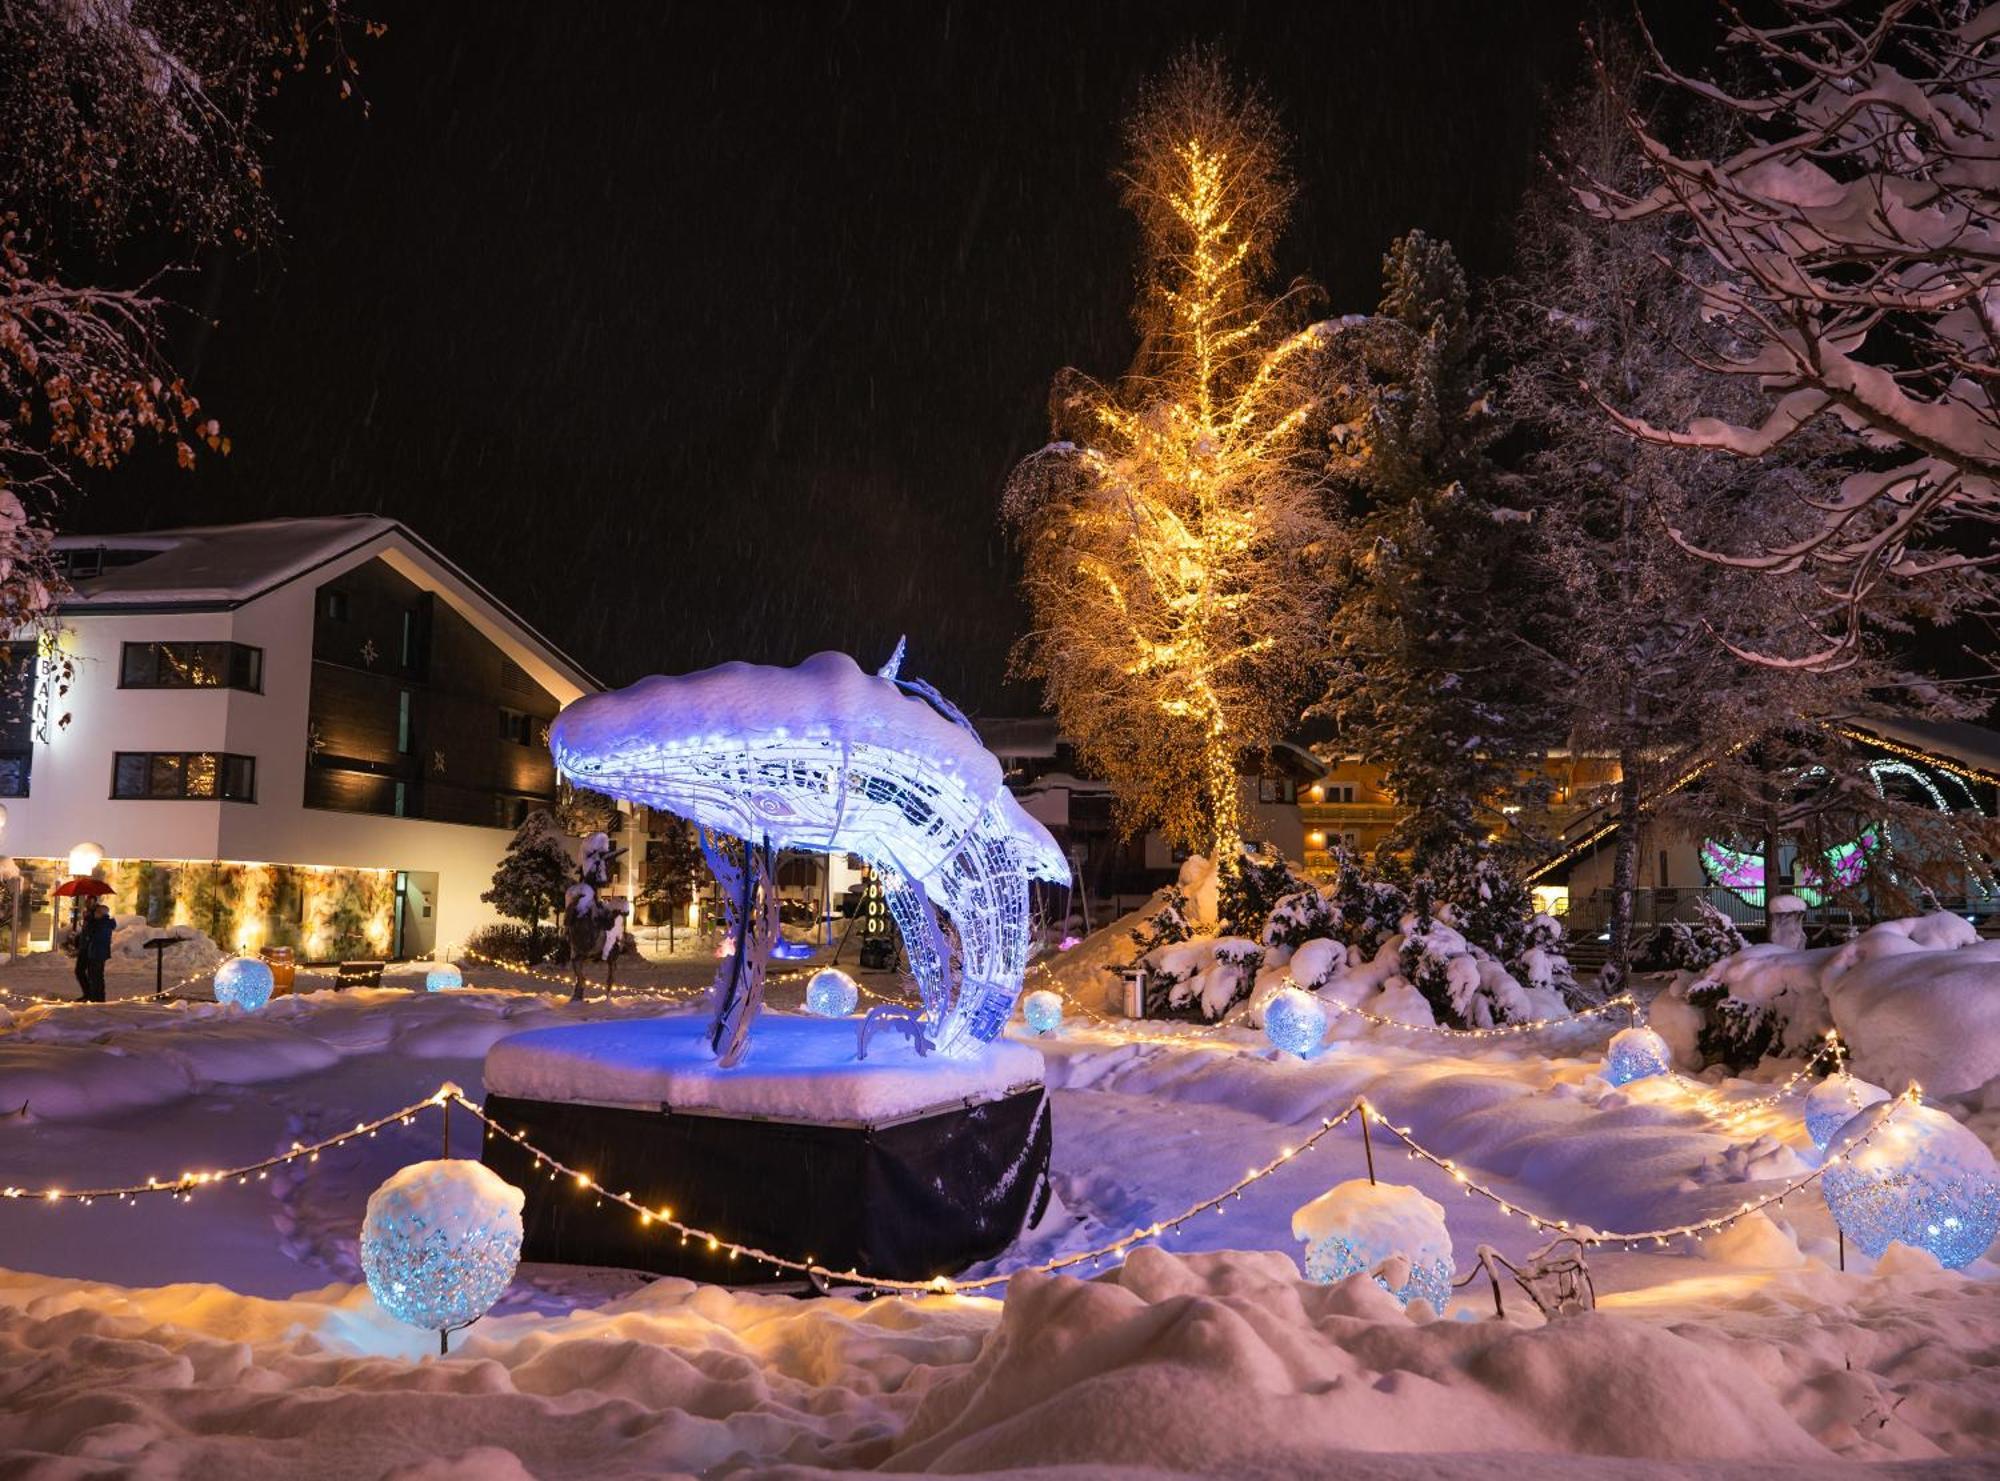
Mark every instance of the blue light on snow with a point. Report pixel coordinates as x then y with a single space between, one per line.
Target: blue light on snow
1635 1054
1294 1021
1335 1257
244 981
440 1243
1922 1180
832 994
1042 1010
443 976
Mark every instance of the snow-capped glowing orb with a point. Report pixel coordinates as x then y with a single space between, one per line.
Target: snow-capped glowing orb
1361 1226
1043 1010
1294 1021
1634 1054
244 981
832 993
1922 1180
443 975
1831 1104
440 1242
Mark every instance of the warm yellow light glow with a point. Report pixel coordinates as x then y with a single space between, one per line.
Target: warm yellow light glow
1169 578
83 859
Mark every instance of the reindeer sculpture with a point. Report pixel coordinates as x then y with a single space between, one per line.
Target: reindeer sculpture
593 921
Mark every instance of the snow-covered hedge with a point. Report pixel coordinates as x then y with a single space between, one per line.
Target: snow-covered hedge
1915 999
1460 946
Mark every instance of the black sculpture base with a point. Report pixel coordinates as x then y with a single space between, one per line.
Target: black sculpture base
918 1197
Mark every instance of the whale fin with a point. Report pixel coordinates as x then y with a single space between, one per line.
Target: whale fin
894 666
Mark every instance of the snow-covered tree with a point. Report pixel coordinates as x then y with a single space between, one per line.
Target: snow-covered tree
1169 529
122 122
533 874
1429 676
1615 315
1850 223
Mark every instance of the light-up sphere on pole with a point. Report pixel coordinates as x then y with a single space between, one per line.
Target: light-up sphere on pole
444 975
1833 1102
831 993
1043 1010
440 1242
1359 1226
1634 1054
1294 1021
1922 1180
244 981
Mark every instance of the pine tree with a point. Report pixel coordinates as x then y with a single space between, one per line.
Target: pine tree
1169 530
529 883
674 870
1431 676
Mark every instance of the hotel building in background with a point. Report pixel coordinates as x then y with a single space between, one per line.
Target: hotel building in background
316 733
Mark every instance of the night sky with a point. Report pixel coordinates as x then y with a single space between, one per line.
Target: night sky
710 332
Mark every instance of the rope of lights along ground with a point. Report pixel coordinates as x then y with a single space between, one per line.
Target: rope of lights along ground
446 1095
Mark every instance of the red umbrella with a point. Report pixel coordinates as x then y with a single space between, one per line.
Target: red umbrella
82 886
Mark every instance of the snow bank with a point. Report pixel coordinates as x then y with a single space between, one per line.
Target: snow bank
1222 1364
1915 999
192 950
799 1069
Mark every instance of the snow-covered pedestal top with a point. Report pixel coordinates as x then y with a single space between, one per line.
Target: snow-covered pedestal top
799 1069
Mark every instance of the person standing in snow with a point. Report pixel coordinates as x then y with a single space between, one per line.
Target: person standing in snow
93 950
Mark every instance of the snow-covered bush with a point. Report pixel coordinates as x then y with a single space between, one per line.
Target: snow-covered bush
1368 907
1696 945
1302 916
1251 886
1201 979
1914 999
1167 925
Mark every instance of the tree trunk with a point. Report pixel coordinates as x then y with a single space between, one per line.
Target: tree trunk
1772 879
1624 877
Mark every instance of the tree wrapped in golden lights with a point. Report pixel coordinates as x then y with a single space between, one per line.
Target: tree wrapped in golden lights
1171 528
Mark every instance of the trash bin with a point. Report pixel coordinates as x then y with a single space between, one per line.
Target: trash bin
283 969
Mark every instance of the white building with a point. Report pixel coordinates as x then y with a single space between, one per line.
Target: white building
307 732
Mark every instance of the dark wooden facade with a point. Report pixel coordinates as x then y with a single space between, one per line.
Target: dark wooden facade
415 714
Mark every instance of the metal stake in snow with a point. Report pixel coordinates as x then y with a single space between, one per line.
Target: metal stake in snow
1367 1145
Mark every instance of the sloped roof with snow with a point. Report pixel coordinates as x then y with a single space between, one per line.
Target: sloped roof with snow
222 567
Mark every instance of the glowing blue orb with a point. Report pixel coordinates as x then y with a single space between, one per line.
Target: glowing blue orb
1381 1228
440 1242
1634 1054
1921 1179
244 981
832 994
1294 1021
1043 1011
1833 1102
443 976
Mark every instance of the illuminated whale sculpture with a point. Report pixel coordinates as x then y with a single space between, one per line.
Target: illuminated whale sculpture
826 757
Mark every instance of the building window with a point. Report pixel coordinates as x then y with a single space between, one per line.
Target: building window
409 636
401 803
403 723
335 605
191 666
517 727
14 773
205 776
1276 789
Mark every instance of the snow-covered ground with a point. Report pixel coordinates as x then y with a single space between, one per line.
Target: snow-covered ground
230 1335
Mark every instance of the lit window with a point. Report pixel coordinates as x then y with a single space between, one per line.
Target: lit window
171 775
191 666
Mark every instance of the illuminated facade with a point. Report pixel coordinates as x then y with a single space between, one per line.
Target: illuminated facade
315 733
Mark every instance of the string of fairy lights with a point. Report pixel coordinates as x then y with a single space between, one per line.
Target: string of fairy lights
183 1187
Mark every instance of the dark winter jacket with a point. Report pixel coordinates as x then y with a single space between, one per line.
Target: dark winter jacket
97 934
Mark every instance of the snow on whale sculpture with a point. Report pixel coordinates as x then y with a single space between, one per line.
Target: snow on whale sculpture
826 757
